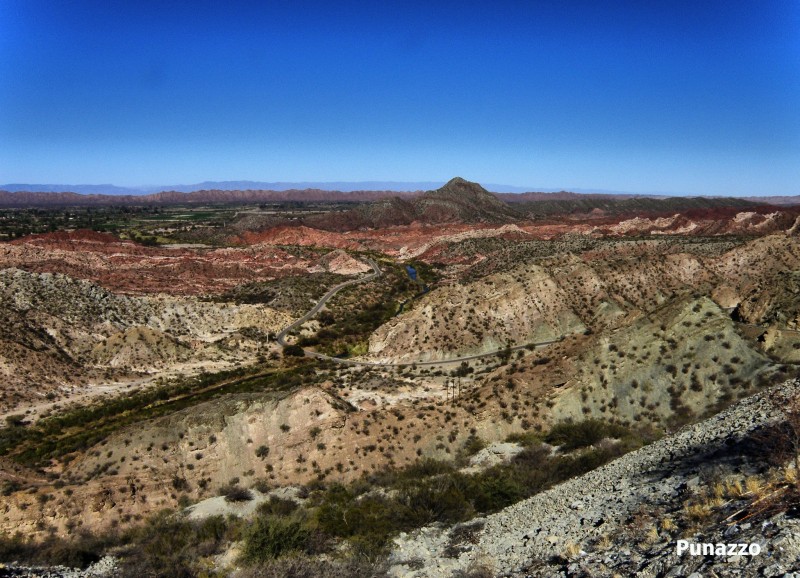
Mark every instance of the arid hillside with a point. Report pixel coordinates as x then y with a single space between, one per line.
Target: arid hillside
63 336
129 267
458 358
601 287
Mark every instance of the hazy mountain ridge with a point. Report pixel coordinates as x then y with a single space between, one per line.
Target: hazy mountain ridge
597 205
60 199
24 195
345 186
458 201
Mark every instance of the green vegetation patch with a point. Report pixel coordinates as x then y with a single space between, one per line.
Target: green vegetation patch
355 312
295 294
412 498
270 537
79 429
168 546
570 436
363 516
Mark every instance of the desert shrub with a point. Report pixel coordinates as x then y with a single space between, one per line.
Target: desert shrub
180 483
424 468
235 493
526 439
460 536
77 552
582 434
566 467
341 515
532 458
270 537
473 445
368 522
164 546
441 499
8 487
262 485
301 566
293 351
167 546
15 420
278 507
781 440
497 488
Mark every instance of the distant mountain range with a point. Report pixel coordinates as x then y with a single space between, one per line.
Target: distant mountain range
33 195
80 189
248 196
343 186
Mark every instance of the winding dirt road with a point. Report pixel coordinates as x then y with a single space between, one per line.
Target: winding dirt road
281 337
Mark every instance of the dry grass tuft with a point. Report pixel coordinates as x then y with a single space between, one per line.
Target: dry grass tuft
604 543
652 536
697 512
789 475
668 525
571 551
755 485
734 488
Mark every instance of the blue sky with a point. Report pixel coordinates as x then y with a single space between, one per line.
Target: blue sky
673 96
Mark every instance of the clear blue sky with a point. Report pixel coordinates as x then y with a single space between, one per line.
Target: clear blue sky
696 96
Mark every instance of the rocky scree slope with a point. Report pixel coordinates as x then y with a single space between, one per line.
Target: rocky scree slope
529 538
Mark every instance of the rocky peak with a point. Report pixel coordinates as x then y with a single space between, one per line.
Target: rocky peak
463 201
463 189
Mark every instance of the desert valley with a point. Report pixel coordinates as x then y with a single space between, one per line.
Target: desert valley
440 383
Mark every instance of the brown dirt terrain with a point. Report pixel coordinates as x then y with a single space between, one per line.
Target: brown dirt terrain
418 238
664 318
127 267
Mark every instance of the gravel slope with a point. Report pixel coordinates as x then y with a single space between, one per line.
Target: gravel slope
524 538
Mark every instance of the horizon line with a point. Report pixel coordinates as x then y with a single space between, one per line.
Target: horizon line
344 187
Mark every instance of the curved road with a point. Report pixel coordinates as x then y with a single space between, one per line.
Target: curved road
281 337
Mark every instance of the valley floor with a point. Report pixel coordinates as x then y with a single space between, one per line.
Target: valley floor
140 381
